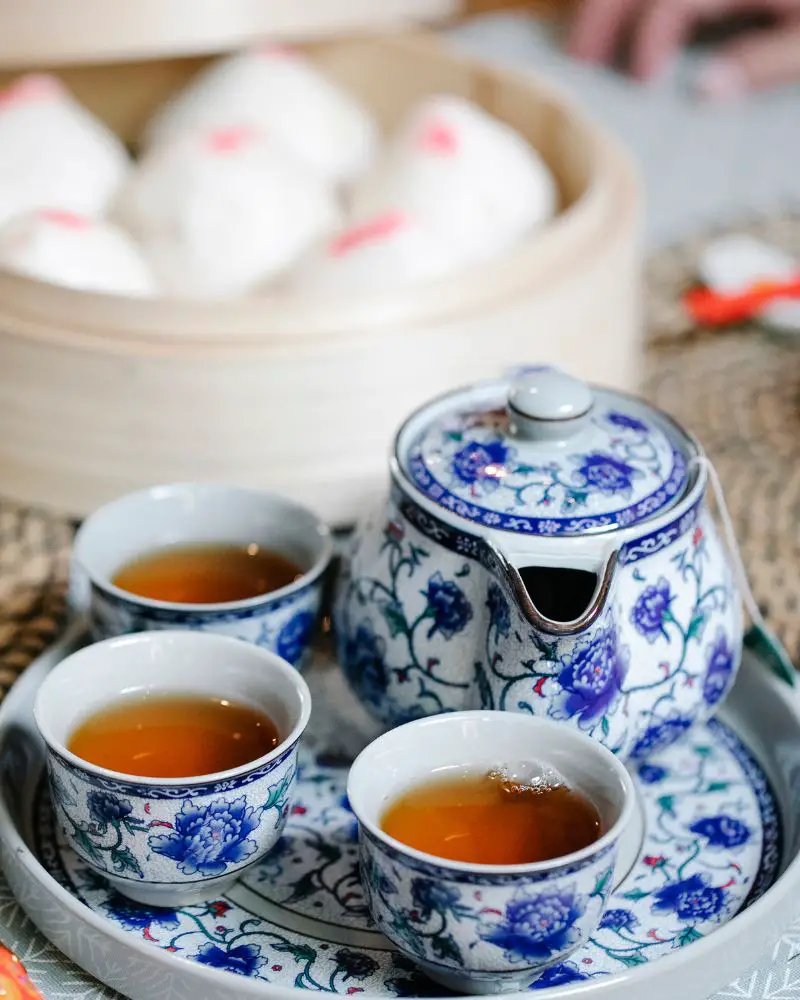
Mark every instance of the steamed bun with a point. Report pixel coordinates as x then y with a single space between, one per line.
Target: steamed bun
388 251
219 212
53 152
464 173
52 244
283 94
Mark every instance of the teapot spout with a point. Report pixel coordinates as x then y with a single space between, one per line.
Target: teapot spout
557 597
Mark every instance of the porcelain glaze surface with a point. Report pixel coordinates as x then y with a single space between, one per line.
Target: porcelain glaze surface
282 625
487 929
696 782
178 836
424 628
466 931
434 611
616 467
299 917
282 622
168 840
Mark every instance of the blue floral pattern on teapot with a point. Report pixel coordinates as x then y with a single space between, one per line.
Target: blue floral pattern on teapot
431 613
618 470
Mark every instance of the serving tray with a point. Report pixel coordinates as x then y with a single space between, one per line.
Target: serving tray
708 877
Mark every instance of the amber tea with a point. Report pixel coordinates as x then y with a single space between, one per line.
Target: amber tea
174 736
206 574
489 819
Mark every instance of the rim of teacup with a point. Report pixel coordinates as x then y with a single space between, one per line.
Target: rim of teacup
270 662
102 581
362 766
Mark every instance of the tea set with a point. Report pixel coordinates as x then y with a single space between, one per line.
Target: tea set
545 585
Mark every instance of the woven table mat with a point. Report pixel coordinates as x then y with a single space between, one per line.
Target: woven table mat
34 554
737 391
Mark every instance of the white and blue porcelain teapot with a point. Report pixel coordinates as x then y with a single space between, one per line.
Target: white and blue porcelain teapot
547 548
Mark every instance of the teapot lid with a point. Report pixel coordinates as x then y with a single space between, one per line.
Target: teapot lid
545 454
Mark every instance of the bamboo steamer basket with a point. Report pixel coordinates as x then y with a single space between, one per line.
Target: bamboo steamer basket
102 394
52 32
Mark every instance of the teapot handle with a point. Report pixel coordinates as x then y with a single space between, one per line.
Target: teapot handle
759 638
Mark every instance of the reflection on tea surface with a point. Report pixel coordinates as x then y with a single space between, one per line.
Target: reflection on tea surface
174 736
490 819
206 574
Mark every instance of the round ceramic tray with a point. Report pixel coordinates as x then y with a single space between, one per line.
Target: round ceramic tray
708 876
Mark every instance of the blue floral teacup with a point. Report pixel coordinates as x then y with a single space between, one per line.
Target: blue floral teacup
486 928
137 524
171 841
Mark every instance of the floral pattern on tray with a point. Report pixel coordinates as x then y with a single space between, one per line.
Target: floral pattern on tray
712 845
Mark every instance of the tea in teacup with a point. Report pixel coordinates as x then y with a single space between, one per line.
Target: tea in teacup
492 819
176 839
174 736
519 820
206 574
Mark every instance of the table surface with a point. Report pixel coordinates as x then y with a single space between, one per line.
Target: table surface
664 128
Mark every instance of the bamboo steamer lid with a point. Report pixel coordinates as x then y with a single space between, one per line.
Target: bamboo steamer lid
54 32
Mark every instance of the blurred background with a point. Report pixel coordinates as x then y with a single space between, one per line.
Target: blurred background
707 159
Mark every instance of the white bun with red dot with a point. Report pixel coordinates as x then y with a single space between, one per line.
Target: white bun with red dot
92 255
390 250
220 212
277 90
53 152
467 175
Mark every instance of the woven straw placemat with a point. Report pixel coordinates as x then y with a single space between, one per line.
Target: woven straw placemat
34 553
738 391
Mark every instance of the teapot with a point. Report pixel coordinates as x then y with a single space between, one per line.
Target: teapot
546 547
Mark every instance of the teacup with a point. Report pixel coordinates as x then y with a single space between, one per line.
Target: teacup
171 841
137 524
480 928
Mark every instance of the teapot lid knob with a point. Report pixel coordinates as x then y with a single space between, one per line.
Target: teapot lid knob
542 404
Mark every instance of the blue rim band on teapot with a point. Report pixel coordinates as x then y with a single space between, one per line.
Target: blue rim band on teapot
616 612
554 436
602 463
